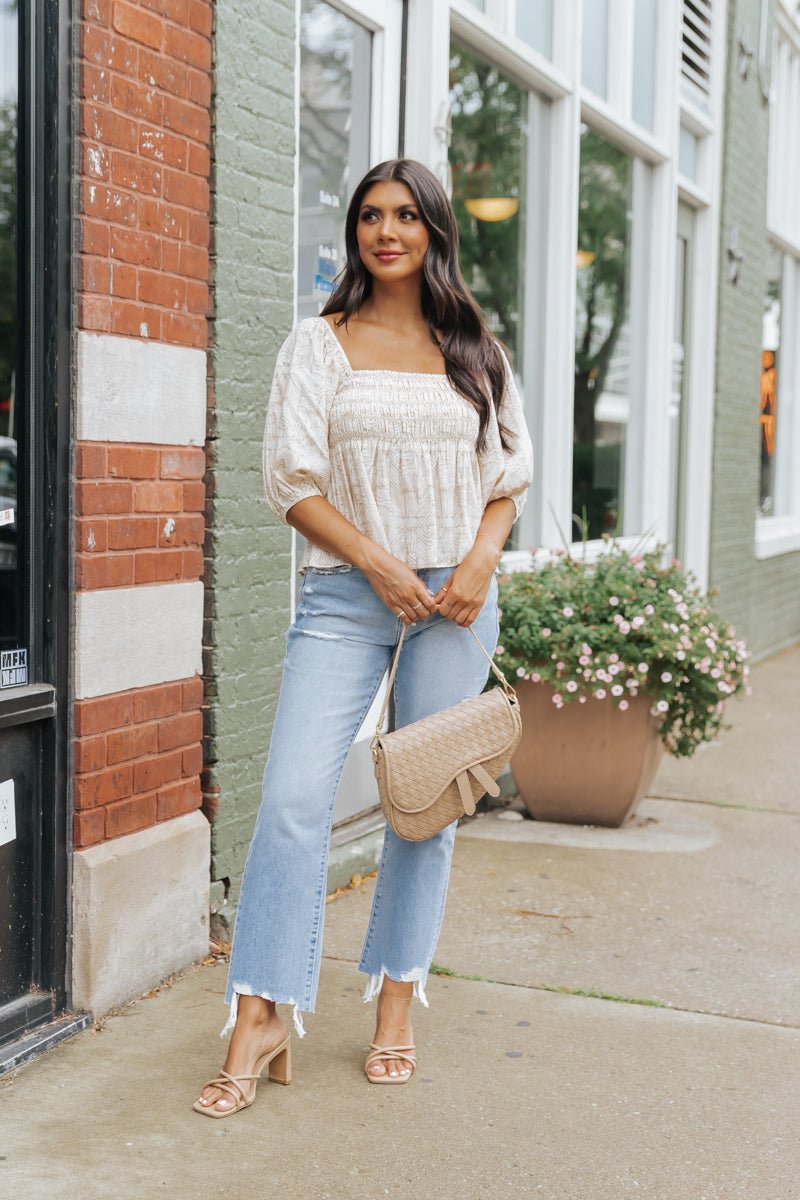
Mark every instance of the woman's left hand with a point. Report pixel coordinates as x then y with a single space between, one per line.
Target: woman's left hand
462 595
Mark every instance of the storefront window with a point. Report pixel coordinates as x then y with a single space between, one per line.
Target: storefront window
10 406
770 374
644 62
335 75
487 157
535 25
611 334
594 56
687 154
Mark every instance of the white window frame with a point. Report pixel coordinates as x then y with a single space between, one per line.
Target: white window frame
550 300
357 811
384 19
780 533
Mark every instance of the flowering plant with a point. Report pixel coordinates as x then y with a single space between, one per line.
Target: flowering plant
619 627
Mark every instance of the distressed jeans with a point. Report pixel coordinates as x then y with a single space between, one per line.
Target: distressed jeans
338 649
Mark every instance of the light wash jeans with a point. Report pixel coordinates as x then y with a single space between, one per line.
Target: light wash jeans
337 651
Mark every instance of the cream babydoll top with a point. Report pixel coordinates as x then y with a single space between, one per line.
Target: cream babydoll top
393 451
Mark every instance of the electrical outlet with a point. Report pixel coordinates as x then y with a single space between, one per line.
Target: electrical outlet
8 818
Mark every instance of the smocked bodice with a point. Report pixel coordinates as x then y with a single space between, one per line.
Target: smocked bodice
393 451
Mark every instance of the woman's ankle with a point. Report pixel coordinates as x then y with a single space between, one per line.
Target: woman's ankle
255 1010
403 991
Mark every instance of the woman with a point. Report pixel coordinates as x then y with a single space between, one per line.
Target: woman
395 443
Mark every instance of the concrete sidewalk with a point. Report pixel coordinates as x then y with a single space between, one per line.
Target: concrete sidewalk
615 1013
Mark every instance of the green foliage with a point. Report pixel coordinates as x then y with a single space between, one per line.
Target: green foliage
619 627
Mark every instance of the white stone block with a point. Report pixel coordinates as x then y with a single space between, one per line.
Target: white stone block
132 637
132 390
140 908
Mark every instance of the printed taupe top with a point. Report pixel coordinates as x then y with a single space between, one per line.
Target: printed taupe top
393 451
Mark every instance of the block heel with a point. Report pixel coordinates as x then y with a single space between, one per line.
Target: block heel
280 1068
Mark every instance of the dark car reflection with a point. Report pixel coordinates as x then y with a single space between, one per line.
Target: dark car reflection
8 542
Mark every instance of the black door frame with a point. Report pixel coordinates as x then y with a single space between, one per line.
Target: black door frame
45 107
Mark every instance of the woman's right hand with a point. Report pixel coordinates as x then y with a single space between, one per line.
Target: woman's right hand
400 588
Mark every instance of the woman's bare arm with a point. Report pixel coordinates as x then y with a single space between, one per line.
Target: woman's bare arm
393 580
468 585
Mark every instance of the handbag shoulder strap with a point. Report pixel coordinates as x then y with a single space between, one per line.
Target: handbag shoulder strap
393 672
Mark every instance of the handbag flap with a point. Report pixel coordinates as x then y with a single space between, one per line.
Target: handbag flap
422 759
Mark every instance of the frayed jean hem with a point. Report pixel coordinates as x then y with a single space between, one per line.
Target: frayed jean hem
243 990
417 975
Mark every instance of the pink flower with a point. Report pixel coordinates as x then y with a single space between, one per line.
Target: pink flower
572 686
600 693
559 666
581 699
535 677
623 704
567 611
587 649
617 689
546 632
499 650
613 600
521 672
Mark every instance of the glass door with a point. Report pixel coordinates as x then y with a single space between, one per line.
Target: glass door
34 529
350 91
679 388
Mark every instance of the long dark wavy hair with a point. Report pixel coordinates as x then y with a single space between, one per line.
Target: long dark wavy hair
471 352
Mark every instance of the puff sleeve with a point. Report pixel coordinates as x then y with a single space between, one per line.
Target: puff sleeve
295 454
508 472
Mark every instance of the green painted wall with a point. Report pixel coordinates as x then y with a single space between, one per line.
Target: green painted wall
761 598
248 551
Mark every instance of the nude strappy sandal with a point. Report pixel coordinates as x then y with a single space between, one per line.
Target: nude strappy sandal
280 1071
378 1052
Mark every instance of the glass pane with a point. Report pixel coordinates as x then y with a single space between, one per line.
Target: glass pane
680 329
487 157
594 55
770 370
603 346
11 615
535 25
335 73
687 154
644 62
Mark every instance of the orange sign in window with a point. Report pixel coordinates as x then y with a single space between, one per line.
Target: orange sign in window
769 382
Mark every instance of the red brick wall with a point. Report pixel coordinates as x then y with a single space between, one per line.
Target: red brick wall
139 513
143 165
137 759
144 154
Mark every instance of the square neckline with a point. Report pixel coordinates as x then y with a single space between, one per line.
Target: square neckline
377 370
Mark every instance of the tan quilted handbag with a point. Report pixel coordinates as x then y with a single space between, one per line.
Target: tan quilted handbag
434 771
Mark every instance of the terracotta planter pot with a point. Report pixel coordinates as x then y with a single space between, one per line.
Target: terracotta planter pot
586 764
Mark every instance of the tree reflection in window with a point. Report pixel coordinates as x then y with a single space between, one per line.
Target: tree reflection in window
487 159
602 395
